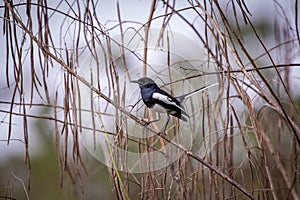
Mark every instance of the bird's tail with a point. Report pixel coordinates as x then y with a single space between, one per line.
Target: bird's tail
182 97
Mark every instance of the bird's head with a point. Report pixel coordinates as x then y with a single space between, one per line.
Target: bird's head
143 81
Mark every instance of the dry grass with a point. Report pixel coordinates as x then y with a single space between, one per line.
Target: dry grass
243 139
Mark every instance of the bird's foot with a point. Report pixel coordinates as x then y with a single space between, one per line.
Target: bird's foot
146 123
161 133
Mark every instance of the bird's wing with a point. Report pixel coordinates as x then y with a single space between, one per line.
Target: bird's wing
168 101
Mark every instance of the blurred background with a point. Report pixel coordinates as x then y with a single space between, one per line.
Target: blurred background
44 106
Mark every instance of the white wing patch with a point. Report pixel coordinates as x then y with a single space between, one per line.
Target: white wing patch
167 100
163 98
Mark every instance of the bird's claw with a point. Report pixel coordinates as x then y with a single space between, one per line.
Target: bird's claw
161 133
146 123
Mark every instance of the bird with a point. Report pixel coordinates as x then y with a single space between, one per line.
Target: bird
162 102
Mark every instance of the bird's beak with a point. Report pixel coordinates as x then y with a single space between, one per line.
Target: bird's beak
134 81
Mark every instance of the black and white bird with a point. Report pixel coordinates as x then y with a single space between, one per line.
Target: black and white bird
162 102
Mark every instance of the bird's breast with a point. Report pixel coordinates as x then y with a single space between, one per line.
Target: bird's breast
147 97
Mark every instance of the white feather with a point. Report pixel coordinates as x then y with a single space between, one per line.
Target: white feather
158 108
166 100
163 98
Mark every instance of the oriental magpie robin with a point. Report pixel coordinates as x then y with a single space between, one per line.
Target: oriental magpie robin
162 102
